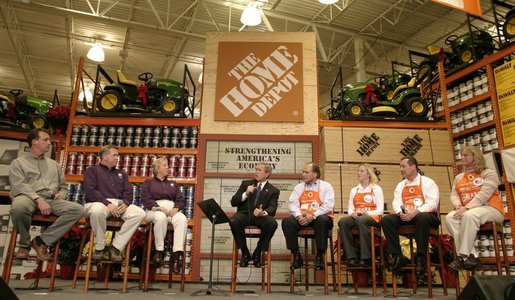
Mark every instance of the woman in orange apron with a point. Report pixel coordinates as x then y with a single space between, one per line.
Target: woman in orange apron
476 201
366 204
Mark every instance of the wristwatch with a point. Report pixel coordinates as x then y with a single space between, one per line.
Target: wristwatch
314 217
265 213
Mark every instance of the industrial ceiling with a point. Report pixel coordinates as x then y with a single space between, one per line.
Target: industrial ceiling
43 39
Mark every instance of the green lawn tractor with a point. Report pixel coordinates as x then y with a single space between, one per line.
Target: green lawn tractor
30 112
161 95
463 49
390 95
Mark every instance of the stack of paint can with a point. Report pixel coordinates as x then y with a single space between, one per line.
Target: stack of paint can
75 193
78 162
189 194
189 242
143 137
136 195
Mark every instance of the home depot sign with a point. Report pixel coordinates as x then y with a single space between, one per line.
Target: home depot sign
259 81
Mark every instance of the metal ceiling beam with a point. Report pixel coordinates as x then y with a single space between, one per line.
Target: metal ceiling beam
125 51
179 46
13 29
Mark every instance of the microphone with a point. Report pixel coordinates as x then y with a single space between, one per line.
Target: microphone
403 209
304 214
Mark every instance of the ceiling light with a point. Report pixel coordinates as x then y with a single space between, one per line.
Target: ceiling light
96 53
87 92
328 1
251 15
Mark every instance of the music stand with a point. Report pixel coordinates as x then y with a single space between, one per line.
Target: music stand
216 215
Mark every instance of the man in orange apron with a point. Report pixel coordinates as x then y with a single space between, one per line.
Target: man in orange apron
311 205
415 202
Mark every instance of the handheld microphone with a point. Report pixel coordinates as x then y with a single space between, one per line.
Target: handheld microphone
403 209
304 214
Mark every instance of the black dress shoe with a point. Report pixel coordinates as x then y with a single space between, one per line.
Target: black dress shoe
244 262
472 263
351 262
297 262
319 262
398 263
457 264
256 261
420 267
367 262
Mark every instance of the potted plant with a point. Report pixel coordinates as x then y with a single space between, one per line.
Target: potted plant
58 118
69 251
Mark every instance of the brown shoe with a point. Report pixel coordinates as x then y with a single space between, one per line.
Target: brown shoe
177 266
22 253
98 254
472 263
115 254
41 249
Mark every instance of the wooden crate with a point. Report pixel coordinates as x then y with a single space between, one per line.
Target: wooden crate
332 173
376 145
331 145
442 152
443 178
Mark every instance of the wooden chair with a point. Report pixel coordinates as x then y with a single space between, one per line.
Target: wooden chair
494 229
113 224
408 231
144 280
37 220
375 232
307 234
266 266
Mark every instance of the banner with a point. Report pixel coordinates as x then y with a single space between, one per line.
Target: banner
505 87
472 7
259 81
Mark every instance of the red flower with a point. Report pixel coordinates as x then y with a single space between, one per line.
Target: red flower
61 112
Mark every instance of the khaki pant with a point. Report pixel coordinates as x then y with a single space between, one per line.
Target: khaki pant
22 209
97 213
464 231
160 220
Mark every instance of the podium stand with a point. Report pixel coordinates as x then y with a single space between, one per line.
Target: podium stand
216 215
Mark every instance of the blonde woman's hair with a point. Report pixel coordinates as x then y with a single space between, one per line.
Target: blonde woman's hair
157 162
371 172
479 158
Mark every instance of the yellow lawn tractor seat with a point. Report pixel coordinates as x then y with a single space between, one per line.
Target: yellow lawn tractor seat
124 80
401 87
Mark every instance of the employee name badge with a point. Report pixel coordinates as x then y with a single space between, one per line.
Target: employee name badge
478 181
367 198
417 202
305 206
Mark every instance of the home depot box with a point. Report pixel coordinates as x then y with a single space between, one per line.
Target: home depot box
441 149
331 141
377 145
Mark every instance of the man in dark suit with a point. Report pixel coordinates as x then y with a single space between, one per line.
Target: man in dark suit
256 200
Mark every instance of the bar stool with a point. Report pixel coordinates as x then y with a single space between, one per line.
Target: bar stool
408 231
37 220
113 224
144 280
253 232
309 233
494 229
375 232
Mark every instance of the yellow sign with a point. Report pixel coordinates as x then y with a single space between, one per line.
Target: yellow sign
505 87
259 81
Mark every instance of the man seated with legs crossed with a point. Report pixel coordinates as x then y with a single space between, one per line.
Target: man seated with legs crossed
108 193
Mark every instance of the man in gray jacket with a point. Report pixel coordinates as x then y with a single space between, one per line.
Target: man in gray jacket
38 184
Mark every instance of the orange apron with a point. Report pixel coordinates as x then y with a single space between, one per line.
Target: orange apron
310 201
470 184
365 201
412 196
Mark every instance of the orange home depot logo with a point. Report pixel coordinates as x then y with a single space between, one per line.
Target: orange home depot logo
259 81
